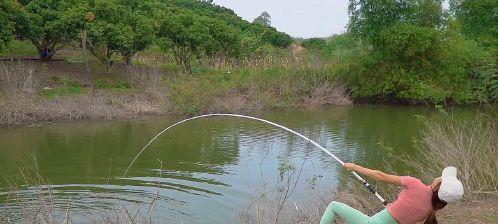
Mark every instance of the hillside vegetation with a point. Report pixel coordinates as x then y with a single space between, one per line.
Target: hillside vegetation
188 56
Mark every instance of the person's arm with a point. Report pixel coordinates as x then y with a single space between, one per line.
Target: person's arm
374 174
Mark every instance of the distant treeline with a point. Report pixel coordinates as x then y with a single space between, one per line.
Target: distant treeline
417 52
108 28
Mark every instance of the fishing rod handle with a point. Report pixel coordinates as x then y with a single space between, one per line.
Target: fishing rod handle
370 188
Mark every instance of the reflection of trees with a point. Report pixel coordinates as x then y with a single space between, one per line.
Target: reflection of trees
201 146
85 152
395 126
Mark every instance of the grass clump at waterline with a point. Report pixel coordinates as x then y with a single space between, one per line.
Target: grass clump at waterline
32 199
470 145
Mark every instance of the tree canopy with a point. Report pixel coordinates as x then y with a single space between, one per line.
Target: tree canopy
6 25
477 18
118 27
122 27
416 52
49 24
263 19
189 35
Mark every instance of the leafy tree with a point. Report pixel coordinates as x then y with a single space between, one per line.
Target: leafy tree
6 27
255 35
188 35
269 35
367 19
478 18
263 19
314 43
49 24
118 28
416 56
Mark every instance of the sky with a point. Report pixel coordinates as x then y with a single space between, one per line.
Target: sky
298 18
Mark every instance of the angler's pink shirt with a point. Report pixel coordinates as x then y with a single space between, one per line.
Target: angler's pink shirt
414 202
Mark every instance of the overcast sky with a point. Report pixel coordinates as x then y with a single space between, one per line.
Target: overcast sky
299 18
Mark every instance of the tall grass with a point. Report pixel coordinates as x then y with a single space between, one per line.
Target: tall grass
470 145
146 78
261 84
17 77
31 199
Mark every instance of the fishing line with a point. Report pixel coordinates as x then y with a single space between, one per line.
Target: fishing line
363 181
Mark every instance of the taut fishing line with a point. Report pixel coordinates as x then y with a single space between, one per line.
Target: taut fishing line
363 181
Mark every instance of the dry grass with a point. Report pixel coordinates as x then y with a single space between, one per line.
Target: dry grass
262 208
21 104
469 145
25 110
32 200
149 79
17 77
329 94
281 59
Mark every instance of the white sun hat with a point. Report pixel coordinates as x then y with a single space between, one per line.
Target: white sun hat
451 189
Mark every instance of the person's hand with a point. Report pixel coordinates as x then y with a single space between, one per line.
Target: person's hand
349 166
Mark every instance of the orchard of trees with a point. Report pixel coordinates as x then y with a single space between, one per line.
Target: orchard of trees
111 28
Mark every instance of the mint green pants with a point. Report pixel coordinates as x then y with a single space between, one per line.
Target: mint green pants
353 216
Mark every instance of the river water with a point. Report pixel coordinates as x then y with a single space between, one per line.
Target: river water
204 171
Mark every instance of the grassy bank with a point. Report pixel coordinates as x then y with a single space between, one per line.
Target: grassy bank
65 89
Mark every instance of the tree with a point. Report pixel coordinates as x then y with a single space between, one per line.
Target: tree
478 18
118 29
49 24
367 19
314 43
263 19
408 58
269 35
6 26
188 35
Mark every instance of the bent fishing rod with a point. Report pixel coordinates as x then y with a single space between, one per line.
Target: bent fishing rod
363 181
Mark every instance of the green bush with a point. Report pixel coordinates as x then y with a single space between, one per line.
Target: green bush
62 87
314 43
103 83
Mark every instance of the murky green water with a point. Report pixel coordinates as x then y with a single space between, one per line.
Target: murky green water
210 168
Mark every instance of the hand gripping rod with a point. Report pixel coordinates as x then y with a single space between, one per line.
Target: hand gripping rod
363 181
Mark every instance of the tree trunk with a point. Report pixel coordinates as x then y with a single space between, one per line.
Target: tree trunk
85 56
109 66
45 50
109 60
127 59
45 54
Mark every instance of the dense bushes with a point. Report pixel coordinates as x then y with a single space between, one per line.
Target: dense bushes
415 52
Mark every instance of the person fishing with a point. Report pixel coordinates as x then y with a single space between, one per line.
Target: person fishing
415 203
